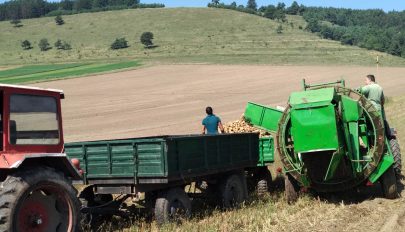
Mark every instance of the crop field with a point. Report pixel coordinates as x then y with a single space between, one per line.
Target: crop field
182 35
170 99
36 73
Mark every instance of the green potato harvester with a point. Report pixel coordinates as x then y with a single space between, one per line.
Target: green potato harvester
331 138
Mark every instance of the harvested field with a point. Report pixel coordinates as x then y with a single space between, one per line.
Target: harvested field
170 99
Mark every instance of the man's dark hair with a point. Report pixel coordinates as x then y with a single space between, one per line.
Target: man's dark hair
208 110
371 77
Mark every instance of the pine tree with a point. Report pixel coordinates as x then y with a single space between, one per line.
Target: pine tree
59 20
251 4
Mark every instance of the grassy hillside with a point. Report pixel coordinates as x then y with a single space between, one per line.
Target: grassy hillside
199 35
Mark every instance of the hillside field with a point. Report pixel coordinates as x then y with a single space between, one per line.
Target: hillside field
182 35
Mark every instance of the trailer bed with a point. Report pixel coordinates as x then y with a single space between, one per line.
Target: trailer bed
159 160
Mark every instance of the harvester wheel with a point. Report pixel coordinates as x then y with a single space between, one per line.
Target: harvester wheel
389 184
263 182
172 206
396 152
291 189
39 199
233 191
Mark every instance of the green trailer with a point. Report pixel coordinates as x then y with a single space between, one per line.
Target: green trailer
159 168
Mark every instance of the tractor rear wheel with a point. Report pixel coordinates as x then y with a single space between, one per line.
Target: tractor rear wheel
389 184
39 199
291 189
396 152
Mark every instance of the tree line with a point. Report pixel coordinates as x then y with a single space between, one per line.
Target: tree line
24 9
277 12
370 29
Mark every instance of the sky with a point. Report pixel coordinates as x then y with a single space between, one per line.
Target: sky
386 5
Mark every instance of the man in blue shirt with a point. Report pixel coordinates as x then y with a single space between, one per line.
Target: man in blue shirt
211 122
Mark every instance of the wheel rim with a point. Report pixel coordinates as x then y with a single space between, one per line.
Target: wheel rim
45 208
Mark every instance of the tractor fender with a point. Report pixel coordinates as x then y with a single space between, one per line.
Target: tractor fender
58 161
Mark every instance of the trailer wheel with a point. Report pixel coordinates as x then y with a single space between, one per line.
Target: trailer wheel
172 206
39 199
263 182
291 189
233 191
389 184
396 152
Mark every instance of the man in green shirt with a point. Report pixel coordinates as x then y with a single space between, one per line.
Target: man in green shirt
374 92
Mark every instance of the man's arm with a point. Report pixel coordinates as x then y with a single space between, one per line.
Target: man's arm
203 130
221 128
365 90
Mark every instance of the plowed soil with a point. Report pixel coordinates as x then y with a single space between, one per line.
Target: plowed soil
171 99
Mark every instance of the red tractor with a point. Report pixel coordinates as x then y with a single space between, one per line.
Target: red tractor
36 192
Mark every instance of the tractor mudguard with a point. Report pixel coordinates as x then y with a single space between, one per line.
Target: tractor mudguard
59 161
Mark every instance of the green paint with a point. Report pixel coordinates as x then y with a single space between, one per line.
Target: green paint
264 117
170 157
382 167
266 151
334 164
312 98
314 129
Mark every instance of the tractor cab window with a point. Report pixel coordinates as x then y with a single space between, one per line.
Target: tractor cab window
33 120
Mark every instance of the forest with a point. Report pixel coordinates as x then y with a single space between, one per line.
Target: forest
25 9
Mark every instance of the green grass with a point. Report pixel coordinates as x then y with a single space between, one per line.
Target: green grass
30 69
183 35
35 73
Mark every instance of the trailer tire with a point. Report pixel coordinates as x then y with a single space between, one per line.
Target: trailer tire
396 152
388 182
291 189
39 198
172 206
263 183
233 191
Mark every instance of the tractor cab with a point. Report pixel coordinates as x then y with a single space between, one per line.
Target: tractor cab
30 120
31 128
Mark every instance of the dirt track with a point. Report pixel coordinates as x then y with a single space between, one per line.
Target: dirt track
171 99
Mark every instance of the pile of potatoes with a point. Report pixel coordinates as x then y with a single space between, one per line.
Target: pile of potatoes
241 126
